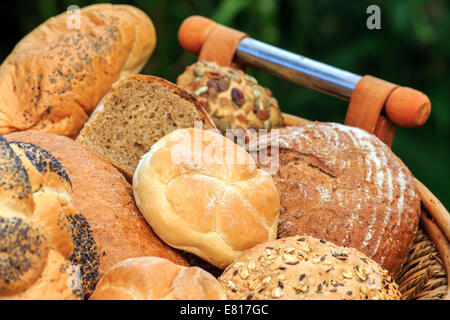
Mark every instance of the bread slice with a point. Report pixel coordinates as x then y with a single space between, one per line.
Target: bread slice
138 111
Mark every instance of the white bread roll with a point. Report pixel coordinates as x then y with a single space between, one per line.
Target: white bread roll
202 193
152 278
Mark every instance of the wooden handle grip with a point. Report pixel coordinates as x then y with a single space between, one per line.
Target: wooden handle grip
193 33
408 107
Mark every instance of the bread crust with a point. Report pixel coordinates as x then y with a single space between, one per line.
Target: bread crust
212 207
48 251
306 268
55 76
103 195
152 278
232 98
344 185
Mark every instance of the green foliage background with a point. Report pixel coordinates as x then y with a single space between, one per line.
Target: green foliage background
412 49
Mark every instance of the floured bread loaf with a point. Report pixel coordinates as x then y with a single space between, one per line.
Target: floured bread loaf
138 112
344 185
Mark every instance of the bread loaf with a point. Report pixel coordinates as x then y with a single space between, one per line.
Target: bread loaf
202 193
344 185
138 112
152 278
306 268
47 247
103 195
233 99
57 74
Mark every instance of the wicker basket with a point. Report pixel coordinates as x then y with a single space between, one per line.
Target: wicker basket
425 273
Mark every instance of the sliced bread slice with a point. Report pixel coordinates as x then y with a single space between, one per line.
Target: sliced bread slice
138 111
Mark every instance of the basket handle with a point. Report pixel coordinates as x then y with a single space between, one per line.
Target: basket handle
395 105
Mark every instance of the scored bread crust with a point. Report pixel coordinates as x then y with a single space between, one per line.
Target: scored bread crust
97 128
103 195
56 75
344 185
152 278
306 268
212 207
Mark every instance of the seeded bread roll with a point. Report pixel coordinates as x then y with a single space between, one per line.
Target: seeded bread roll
232 98
47 250
152 278
306 268
104 197
202 193
138 112
57 74
344 185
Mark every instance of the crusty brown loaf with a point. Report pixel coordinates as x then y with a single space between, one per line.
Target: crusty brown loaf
138 112
233 99
103 195
152 278
202 193
55 76
47 247
344 185
306 268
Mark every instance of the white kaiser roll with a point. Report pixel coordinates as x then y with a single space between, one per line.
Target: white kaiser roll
202 193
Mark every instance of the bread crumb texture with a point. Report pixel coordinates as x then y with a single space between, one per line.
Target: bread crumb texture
138 112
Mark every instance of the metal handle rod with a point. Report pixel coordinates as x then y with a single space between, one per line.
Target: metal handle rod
296 68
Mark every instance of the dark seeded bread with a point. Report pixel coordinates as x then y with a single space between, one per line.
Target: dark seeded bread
138 112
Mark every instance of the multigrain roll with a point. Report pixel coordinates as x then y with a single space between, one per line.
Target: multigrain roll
47 249
306 268
202 193
139 111
343 185
232 98
152 278
57 74
105 198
